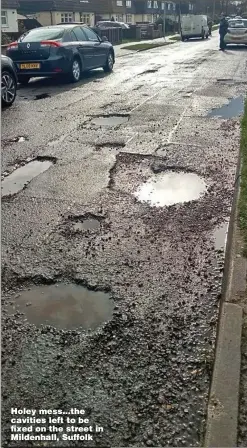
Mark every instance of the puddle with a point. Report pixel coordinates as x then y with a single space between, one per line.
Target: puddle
17 180
42 96
233 109
109 144
220 236
87 224
171 188
67 306
114 120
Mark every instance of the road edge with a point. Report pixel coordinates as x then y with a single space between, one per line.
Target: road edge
223 405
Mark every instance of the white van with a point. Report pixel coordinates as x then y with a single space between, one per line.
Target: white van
194 26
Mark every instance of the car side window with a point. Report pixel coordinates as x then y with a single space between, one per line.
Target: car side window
90 35
79 34
69 37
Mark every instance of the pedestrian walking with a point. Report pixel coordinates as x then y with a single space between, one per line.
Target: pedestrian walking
223 28
210 25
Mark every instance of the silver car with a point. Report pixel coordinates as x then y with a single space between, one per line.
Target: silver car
237 32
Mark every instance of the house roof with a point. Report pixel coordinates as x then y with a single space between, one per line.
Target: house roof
9 4
32 6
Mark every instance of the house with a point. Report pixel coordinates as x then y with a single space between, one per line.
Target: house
9 16
53 12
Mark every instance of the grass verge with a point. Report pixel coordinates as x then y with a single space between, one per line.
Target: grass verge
143 47
176 38
215 27
243 184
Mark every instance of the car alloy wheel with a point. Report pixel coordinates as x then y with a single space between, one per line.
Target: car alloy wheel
76 70
110 61
8 88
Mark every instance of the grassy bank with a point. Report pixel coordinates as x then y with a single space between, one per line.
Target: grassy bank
145 46
243 188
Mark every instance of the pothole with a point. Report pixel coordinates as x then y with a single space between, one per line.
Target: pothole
86 222
111 120
66 306
165 189
151 70
233 109
109 144
18 139
220 236
19 179
42 96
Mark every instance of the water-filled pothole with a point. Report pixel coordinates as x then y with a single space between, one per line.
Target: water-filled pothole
164 189
17 180
113 120
233 109
67 306
220 236
87 224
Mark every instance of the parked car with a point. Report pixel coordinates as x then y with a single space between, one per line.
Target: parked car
111 24
237 32
8 81
66 50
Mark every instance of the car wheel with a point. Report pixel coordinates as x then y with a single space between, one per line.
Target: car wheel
206 36
24 80
109 63
75 71
182 38
8 88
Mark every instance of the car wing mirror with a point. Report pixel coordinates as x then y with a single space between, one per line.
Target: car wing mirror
104 39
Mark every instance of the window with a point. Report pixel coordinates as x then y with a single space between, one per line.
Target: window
85 18
4 18
169 6
119 18
163 5
128 3
150 18
67 17
156 5
90 35
79 34
119 2
149 3
38 34
129 18
190 7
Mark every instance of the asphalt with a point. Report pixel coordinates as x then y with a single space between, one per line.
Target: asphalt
145 374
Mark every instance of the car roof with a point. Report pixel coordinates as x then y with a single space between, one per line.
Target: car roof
62 25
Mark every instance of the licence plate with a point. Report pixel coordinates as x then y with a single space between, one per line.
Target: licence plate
29 66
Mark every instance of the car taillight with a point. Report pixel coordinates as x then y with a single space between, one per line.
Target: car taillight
13 46
50 43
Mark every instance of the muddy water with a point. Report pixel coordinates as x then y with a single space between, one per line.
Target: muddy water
233 109
220 236
110 121
171 188
17 180
88 224
66 306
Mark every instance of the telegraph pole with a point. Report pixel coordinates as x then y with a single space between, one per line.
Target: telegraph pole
164 21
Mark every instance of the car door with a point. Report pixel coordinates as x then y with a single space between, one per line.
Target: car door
83 48
98 48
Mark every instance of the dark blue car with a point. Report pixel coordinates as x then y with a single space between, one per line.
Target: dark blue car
60 50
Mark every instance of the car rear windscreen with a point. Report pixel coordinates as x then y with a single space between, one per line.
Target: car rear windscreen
40 34
237 24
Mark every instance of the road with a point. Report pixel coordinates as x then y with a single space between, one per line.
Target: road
143 278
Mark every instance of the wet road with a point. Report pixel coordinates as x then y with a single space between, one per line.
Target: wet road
95 218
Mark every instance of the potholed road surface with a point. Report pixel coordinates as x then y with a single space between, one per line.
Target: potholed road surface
116 197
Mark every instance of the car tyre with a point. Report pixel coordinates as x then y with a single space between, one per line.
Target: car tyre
75 71
108 67
24 80
182 38
8 88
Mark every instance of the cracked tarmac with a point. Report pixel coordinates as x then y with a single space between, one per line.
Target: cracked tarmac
144 374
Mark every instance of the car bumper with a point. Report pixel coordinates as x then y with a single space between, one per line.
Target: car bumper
48 67
236 40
